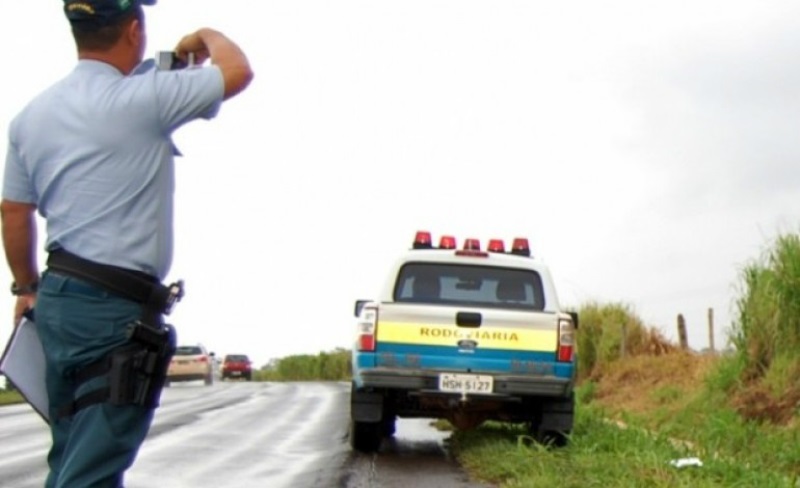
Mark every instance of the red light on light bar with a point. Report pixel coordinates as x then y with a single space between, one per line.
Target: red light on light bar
496 245
472 245
447 242
521 247
422 240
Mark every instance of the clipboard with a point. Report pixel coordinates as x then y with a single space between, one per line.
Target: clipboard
23 363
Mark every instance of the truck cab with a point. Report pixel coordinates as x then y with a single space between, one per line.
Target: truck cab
466 335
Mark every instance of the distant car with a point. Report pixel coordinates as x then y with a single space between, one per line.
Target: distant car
237 366
191 363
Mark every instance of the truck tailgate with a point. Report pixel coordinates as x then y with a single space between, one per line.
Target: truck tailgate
497 340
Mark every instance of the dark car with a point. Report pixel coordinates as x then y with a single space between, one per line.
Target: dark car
237 366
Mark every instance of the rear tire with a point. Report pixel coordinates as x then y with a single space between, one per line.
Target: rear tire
552 423
365 436
552 438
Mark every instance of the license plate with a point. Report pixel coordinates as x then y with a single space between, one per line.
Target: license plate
466 383
236 373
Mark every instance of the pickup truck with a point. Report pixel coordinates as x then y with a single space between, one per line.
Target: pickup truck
465 335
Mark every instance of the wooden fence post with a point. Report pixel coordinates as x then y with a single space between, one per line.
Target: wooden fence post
684 341
711 330
623 340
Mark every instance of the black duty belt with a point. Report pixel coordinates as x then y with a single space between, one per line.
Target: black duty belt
126 283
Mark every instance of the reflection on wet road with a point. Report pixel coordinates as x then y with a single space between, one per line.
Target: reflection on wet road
416 457
250 435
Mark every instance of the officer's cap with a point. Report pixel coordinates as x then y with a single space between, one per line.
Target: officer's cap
100 13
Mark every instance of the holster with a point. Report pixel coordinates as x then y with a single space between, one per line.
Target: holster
137 370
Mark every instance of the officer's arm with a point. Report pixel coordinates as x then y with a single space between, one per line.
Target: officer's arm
19 240
224 53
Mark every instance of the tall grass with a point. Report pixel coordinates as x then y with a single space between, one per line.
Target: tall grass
766 332
325 366
601 331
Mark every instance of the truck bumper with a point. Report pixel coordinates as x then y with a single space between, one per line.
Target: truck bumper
504 384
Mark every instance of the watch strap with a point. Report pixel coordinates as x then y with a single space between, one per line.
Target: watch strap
24 290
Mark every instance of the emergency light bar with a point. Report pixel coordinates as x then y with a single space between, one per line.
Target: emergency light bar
472 246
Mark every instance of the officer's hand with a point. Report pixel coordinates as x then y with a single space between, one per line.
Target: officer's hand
193 43
24 302
223 53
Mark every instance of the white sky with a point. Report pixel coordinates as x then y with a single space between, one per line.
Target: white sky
647 150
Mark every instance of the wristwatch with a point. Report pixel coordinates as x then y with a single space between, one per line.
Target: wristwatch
24 290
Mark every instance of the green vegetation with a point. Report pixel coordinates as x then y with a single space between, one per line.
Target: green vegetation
8 397
767 332
603 454
325 366
608 332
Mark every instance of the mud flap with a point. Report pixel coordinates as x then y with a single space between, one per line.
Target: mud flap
366 406
557 422
558 416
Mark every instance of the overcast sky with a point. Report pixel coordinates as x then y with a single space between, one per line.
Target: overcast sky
648 150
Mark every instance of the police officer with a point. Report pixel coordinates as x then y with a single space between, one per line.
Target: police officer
93 155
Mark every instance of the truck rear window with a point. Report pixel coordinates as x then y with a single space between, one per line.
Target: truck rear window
479 286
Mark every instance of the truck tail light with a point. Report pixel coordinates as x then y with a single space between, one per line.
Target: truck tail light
566 340
367 329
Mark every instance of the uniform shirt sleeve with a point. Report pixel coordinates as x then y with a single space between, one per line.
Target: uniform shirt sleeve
17 185
188 94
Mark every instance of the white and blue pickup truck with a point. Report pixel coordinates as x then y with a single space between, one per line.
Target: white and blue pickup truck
466 335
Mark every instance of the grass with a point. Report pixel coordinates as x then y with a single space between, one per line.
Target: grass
604 454
766 331
10 397
632 419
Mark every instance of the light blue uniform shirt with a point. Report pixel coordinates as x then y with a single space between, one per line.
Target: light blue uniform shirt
94 154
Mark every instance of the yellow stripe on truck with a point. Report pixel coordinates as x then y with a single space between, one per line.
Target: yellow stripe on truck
494 338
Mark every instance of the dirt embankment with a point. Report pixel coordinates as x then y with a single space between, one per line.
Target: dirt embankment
641 383
644 383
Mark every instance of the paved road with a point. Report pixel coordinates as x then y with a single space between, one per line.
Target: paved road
250 435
